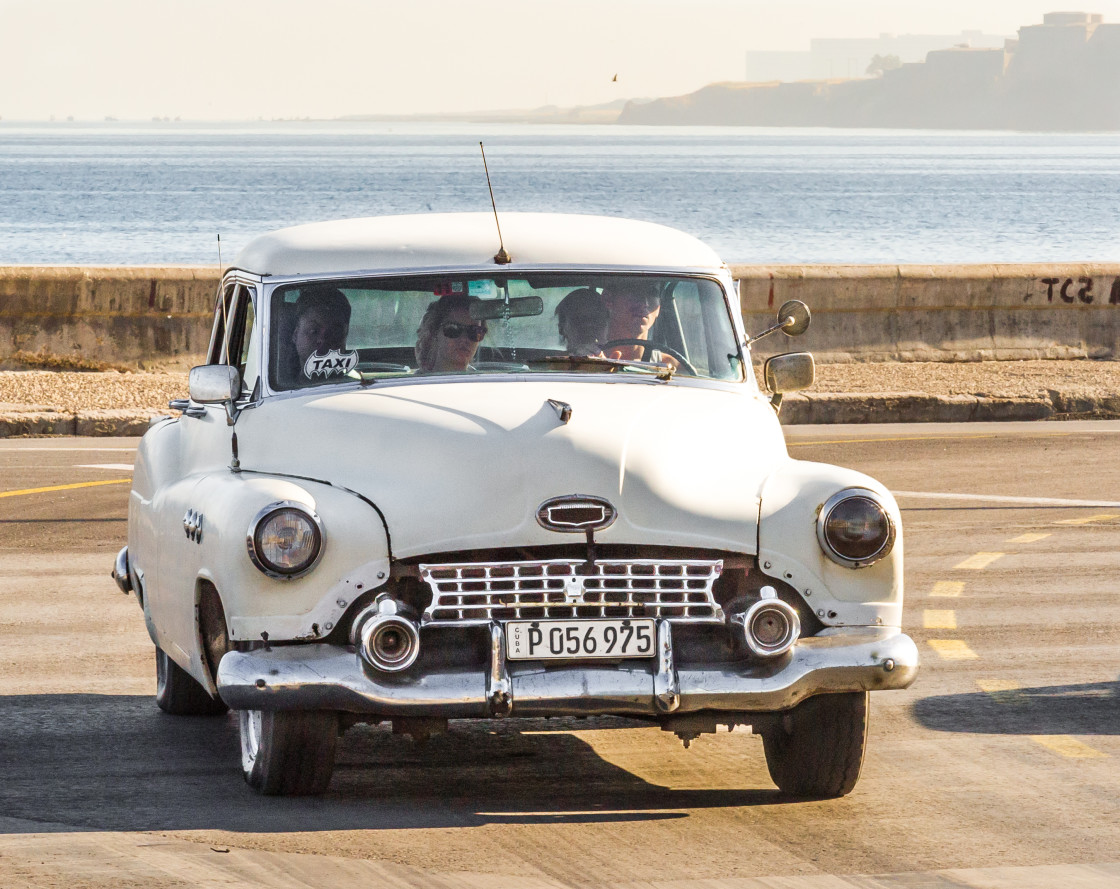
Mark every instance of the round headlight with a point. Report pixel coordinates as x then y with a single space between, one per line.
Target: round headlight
854 528
285 539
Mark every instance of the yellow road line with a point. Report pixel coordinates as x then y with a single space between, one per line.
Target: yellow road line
1030 537
805 444
952 649
1003 691
1088 520
934 619
1067 746
978 561
947 589
116 481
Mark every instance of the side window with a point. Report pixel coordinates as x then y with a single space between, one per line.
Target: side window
222 308
243 344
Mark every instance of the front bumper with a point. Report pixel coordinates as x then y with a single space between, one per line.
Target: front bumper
328 677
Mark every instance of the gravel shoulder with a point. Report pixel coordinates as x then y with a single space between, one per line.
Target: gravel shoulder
68 391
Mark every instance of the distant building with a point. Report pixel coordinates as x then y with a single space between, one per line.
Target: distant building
1061 75
829 58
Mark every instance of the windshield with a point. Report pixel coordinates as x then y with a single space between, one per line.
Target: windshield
382 328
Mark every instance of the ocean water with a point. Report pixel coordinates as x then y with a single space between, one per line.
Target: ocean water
161 193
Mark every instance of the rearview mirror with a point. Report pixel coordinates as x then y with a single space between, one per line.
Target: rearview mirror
794 317
793 320
790 372
214 384
518 307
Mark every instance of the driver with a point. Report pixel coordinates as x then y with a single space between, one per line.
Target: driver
448 336
632 308
322 322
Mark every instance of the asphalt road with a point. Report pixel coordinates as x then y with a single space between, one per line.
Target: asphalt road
998 768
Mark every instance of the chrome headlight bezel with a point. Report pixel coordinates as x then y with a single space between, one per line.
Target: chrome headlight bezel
269 568
830 506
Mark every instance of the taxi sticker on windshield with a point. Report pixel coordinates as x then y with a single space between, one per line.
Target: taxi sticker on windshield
334 362
480 288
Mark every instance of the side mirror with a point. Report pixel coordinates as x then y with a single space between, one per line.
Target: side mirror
214 384
790 372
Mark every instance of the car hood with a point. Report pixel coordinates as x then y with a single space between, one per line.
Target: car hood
465 464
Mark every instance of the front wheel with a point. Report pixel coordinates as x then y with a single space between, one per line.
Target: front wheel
817 750
178 693
288 752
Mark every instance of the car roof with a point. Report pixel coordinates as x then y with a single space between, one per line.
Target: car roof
439 240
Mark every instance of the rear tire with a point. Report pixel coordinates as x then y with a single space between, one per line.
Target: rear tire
288 752
818 749
178 693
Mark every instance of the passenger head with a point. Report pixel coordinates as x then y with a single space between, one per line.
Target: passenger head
448 336
633 306
582 320
322 322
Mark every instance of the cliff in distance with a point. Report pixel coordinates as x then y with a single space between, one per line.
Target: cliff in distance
1061 75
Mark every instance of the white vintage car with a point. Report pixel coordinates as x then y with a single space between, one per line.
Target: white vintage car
433 471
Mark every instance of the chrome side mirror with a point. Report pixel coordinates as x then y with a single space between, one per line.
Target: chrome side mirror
793 320
790 372
214 384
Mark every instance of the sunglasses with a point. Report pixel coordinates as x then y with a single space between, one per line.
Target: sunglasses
453 331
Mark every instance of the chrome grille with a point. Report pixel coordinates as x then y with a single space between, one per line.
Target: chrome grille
468 593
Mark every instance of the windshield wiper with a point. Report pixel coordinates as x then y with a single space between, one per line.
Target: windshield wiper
662 371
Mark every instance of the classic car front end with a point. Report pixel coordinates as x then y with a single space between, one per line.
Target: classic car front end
402 491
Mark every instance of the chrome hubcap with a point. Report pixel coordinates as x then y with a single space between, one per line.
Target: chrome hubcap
249 722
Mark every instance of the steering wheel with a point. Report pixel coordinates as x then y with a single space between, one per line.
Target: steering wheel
668 350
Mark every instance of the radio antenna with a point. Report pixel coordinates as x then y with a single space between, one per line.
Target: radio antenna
219 253
501 257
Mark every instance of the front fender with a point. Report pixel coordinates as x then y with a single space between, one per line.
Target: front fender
354 560
788 549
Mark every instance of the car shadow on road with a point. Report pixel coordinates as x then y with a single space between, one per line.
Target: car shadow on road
116 763
1088 709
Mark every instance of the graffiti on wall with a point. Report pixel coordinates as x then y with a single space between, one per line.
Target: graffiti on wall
1080 289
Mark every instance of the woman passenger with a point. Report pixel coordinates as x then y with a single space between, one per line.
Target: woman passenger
448 336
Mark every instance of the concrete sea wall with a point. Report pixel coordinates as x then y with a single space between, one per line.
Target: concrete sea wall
120 315
940 313
146 315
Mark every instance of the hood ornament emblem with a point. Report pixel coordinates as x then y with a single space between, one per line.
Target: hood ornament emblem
576 513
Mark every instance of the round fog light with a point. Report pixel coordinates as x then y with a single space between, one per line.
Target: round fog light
770 628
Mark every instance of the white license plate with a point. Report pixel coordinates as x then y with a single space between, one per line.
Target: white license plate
545 640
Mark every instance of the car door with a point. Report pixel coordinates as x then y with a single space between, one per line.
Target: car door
205 455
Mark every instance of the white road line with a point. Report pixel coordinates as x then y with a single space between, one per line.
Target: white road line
127 467
992 498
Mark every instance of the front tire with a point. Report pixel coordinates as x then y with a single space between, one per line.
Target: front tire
288 752
178 693
818 749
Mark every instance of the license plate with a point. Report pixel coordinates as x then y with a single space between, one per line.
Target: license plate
543 640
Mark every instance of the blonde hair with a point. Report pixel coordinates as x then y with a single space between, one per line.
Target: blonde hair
434 316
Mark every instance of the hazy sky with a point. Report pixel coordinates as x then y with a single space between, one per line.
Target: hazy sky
227 59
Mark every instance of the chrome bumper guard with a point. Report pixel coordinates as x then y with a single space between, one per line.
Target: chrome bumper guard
318 676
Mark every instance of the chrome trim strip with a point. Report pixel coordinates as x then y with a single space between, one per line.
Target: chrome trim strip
478 593
318 676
